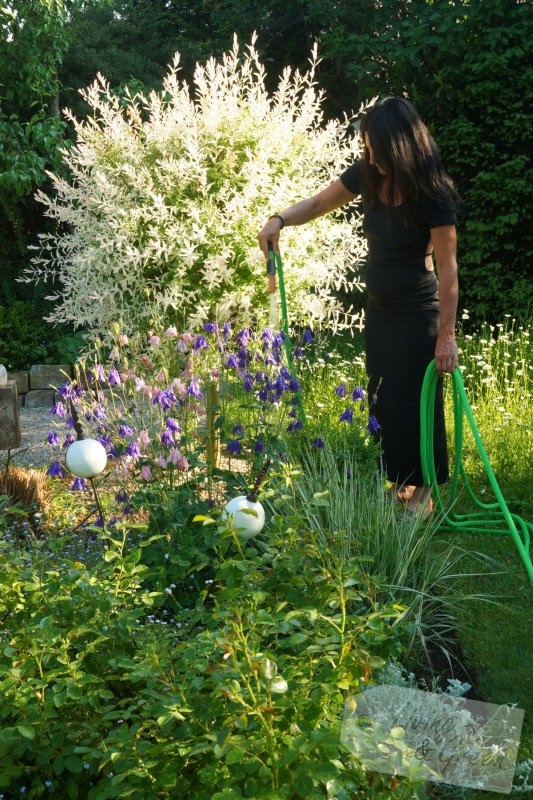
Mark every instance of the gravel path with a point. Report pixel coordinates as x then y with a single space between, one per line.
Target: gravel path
35 424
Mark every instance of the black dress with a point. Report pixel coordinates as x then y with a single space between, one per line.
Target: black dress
401 327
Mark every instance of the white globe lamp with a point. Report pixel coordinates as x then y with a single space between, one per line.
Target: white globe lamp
246 514
86 458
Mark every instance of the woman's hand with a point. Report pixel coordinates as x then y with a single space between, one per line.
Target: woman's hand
446 353
269 233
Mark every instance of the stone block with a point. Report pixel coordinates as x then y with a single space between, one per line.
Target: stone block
22 379
46 376
39 398
9 417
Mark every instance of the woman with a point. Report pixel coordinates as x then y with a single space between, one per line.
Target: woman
408 216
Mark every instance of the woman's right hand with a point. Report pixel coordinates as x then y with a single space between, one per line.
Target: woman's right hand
270 233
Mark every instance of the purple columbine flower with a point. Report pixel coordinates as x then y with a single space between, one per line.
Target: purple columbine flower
258 446
232 361
172 425
340 391
243 337
125 430
271 360
263 394
234 447
294 386
133 450
114 377
267 337
292 413
347 416
358 394
200 344
295 426
373 425
167 438
105 441
284 372
226 330
58 409
55 470
122 496
298 352
237 429
98 374
279 385
70 422
318 443
307 337
53 439
69 438
166 398
66 391
99 413
193 390
78 485
248 384
210 327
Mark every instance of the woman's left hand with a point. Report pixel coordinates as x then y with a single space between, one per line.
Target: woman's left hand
446 353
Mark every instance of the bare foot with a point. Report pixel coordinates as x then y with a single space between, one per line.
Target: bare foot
420 501
401 493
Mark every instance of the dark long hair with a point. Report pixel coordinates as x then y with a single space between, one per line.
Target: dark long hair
406 150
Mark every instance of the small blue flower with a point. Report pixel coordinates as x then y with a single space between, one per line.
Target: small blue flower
210 327
172 425
66 391
340 391
99 412
53 439
78 485
105 441
232 361
226 330
133 450
166 399
358 394
167 438
193 390
122 496
294 386
294 426
373 425
237 429
267 337
70 422
347 416
55 470
98 373
58 409
114 377
318 443
234 447
258 446
292 413
298 352
69 438
243 337
263 394
307 337
125 430
200 344
248 384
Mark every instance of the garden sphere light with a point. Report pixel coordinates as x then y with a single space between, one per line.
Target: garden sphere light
247 516
86 458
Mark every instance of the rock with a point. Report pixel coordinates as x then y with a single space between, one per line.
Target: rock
39 398
22 379
9 417
3 375
48 376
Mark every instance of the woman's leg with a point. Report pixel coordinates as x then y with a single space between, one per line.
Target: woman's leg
420 500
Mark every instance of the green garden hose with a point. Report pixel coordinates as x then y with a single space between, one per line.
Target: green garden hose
285 324
493 517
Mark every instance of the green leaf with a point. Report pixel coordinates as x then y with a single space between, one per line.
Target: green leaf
279 685
268 669
27 731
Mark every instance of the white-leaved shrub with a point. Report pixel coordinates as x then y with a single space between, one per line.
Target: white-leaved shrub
166 196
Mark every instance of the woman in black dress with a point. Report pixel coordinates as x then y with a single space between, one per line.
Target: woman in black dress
408 216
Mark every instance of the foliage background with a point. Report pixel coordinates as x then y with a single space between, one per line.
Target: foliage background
467 66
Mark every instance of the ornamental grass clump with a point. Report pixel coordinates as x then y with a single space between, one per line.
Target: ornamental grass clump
166 196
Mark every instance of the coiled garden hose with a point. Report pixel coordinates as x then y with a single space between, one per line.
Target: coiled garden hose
493 517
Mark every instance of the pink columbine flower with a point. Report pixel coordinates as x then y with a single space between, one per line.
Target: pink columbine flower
215 373
122 470
171 332
161 377
145 361
174 455
123 339
124 376
179 387
114 354
182 463
146 473
154 341
161 462
143 438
